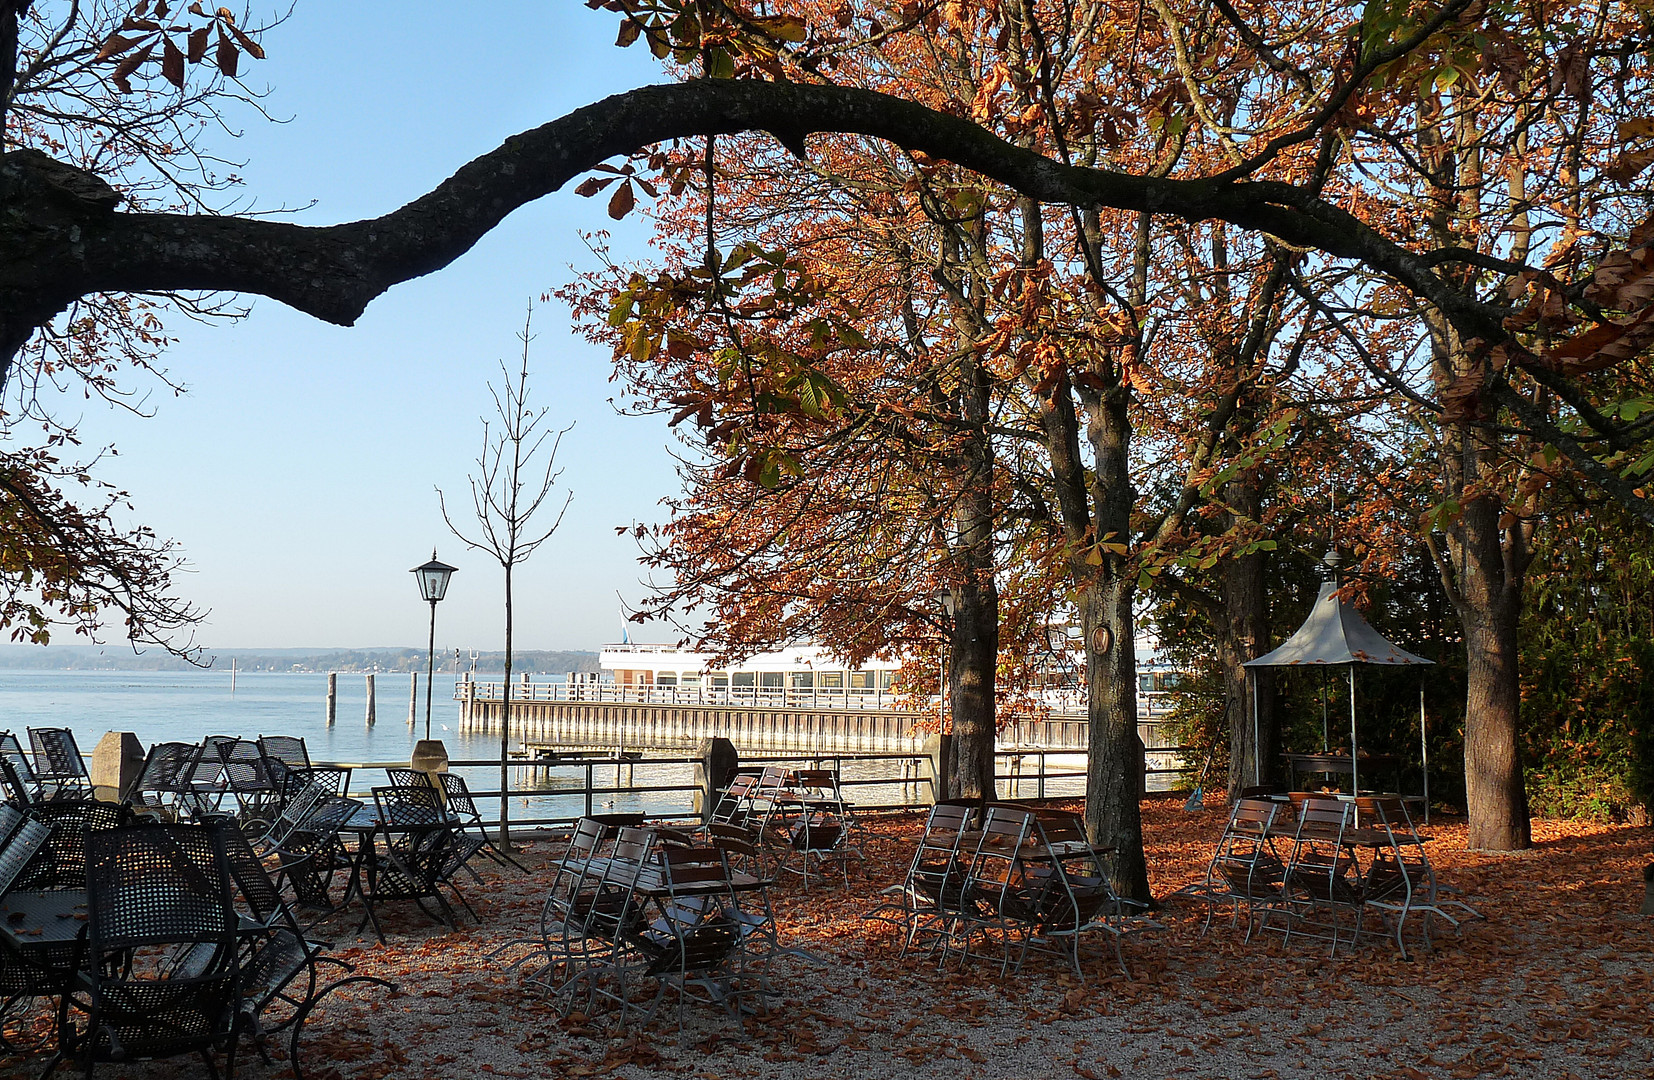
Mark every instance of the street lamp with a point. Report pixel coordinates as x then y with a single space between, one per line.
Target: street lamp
433 586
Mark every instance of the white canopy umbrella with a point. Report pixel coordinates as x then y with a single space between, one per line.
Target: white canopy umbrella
1336 635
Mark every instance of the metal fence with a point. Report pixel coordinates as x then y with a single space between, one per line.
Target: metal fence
884 781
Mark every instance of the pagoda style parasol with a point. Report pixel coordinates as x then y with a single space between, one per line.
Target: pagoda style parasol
1335 635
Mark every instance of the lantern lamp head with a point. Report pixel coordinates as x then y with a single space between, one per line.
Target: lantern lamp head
433 578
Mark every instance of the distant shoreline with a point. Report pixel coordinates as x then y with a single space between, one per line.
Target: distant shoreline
286 661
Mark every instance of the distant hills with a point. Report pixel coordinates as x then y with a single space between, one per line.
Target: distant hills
119 658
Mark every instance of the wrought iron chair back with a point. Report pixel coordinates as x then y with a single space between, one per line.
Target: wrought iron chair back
287 749
160 974
62 861
22 786
57 761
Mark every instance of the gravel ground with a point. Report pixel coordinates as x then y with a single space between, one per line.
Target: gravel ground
1556 982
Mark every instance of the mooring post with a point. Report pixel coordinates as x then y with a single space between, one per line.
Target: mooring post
718 762
936 750
116 762
371 716
332 697
413 697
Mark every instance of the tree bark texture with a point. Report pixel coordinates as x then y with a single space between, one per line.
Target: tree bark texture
1489 604
1253 741
1114 770
975 655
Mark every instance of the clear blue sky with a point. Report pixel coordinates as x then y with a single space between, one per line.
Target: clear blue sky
298 472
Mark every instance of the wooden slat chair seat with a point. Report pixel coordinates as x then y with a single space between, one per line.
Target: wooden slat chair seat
1246 871
1075 898
735 801
825 829
1000 897
930 903
695 941
1322 876
1401 882
575 886
607 956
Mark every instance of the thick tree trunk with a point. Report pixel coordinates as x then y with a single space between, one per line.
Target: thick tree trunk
1253 741
1489 604
971 690
1114 771
975 655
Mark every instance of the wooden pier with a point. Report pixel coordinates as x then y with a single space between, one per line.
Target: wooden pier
556 717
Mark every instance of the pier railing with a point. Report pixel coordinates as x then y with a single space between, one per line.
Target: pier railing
874 782
1058 704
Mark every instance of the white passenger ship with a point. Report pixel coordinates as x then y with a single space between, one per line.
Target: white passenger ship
808 676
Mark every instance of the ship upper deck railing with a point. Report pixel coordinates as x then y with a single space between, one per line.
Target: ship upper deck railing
1057 704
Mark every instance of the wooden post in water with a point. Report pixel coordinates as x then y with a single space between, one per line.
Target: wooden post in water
332 697
413 697
371 716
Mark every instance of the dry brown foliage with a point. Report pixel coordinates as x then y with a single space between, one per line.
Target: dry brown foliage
1556 982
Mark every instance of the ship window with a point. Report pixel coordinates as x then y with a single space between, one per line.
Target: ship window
830 680
666 678
770 680
690 678
1145 682
801 680
720 680
887 679
861 680
742 678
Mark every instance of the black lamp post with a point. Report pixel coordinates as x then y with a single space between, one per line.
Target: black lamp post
433 586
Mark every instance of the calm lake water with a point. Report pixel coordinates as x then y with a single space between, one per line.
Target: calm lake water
165 706
162 706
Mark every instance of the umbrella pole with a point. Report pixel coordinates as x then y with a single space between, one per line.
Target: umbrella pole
1355 765
1257 747
1424 754
1326 741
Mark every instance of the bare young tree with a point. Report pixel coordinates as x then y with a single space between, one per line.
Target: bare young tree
512 483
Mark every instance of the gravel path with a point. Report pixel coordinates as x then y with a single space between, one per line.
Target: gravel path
1557 982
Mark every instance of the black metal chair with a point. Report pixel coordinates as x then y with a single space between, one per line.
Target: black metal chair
409 778
23 977
58 765
62 862
422 853
246 778
287 749
309 852
281 969
463 809
157 972
161 782
22 787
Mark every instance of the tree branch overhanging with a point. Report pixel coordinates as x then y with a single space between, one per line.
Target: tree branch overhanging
69 240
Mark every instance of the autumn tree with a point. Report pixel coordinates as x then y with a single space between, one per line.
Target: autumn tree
123 90
1318 106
